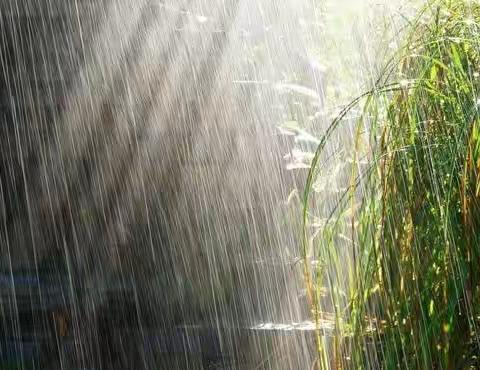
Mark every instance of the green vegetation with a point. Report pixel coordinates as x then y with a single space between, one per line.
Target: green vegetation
410 218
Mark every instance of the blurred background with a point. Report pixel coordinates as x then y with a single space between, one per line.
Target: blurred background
152 160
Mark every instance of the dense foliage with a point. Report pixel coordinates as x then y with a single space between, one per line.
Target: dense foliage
413 211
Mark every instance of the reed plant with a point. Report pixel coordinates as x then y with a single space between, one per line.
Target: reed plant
411 212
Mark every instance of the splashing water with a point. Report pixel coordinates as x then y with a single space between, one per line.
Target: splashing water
147 219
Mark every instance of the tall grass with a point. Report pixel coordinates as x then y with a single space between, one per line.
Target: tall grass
412 214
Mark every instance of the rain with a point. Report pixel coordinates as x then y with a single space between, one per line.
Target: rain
170 175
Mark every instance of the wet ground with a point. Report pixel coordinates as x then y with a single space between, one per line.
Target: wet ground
178 348
42 329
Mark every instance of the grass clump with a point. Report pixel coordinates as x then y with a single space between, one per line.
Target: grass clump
412 213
